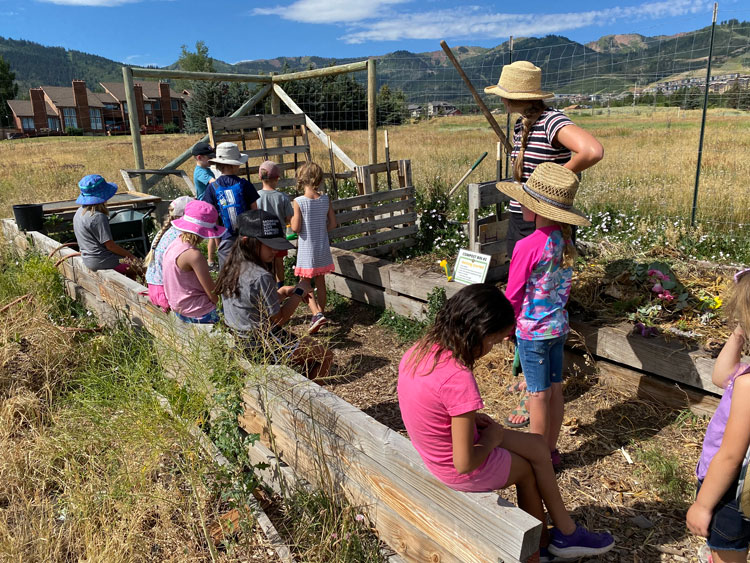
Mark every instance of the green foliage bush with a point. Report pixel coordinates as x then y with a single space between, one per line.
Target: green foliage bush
74 131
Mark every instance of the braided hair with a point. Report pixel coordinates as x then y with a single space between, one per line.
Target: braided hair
528 117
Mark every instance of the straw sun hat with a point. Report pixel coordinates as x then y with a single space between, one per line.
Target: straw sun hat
520 80
549 192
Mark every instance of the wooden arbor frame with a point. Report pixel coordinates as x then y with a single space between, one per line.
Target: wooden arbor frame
272 85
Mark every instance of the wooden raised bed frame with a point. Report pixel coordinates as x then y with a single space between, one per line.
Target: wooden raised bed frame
326 440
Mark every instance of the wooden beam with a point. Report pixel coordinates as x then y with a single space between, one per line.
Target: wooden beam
383 223
190 75
135 127
235 123
274 151
390 248
316 72
317 131
360 267
370 212
350 202
419 284
376 238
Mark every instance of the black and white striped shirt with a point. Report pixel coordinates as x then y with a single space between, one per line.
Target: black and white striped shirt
539 148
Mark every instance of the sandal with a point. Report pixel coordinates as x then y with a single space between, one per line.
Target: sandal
516 387
520 410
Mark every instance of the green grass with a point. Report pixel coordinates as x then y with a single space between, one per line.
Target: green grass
662 470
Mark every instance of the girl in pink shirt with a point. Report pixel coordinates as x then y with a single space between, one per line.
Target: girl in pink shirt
538 289
469 451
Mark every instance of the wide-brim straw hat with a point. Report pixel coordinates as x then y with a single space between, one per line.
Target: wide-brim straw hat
200 219
229 153
549 192
520 80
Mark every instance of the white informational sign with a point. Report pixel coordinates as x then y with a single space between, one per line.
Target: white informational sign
471 267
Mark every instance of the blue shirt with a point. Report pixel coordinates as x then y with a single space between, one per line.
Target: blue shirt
249 194
201 178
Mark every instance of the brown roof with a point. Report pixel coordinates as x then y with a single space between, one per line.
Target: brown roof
150 90
62 96
23 108
104 98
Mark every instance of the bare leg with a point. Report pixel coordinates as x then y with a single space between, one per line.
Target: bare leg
312 303
320 286
556 409
278 268
315 358
534 449
539 412
211 250
727 556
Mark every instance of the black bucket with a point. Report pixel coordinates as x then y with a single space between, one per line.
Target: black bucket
29 216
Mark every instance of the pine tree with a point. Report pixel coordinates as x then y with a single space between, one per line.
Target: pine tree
8 91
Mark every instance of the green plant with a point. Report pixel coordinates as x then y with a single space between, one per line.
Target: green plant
407 330
435 301
170 128
73 131
664 472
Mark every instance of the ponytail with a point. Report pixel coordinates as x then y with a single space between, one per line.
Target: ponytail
528 118
244 249
164 228
569 250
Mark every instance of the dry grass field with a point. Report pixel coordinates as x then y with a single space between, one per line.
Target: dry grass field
649 164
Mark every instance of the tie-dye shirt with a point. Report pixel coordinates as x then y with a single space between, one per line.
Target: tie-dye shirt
538 285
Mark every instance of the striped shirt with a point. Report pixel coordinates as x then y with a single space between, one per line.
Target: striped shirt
539 148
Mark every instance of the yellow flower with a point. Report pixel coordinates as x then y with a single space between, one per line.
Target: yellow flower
717 303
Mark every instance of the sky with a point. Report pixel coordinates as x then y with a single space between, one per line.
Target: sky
151 32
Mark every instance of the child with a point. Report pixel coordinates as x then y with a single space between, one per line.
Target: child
187 281
229 194
203 175
538 288
253 306
313 218
166 235
91 227
715 513
541 134
469 451
277 203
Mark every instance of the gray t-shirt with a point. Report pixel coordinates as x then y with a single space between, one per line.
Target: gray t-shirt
276 202
92 231
256 302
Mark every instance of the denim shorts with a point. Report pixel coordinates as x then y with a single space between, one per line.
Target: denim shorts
542 362
729 530
208 318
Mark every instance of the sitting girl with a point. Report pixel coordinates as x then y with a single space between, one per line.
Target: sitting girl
253 307
716 513
166 235
187 281
469 451
91 227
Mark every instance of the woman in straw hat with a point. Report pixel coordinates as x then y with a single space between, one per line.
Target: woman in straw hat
541 134
538 289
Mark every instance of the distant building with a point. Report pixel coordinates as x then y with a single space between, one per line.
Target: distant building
437 109
415 110
53 109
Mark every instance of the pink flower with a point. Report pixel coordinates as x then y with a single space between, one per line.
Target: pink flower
359 517
657 288
658 274
666 296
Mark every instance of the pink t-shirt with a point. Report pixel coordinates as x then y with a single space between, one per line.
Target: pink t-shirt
184 291
428 400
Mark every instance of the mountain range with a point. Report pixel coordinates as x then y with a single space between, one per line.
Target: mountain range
612 63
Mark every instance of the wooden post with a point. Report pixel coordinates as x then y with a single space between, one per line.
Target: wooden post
135 127
388 161
276 110
334 187
372 113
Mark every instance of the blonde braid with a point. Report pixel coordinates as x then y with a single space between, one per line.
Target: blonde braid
164 228
569 250
528 117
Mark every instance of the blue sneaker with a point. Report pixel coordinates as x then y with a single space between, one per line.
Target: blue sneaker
580 543
546 557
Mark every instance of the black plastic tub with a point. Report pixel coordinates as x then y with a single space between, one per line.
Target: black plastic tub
29 216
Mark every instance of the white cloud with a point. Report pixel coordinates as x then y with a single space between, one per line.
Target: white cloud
478 23
329 11
93 3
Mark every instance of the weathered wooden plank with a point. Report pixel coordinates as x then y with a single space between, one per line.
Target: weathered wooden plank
274 151
393 453
644 386
339 477
498 247
315 72
317 131
419 283
674 360
349 202
221 124
360 267
253 135
192 75
377 238
490 195
356 228
370 212
381 167
375 296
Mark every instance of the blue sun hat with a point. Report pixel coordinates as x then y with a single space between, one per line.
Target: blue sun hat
95 190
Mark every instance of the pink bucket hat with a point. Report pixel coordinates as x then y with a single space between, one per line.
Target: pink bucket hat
268 170
200 219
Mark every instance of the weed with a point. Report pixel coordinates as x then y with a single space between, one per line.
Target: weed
407 330
664 472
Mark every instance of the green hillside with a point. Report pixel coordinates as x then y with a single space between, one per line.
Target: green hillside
611 64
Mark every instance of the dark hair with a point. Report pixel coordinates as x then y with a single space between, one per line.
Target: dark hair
475 312
244 249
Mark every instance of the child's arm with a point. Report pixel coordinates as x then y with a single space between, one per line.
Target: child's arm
115 248
467 455
296 218
727 462
729 357
291 303
197 262
331 221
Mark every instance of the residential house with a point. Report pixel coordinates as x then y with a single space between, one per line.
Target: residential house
26 121
435 109
157 104
415 110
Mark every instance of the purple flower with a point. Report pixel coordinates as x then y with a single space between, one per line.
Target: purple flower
360 517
